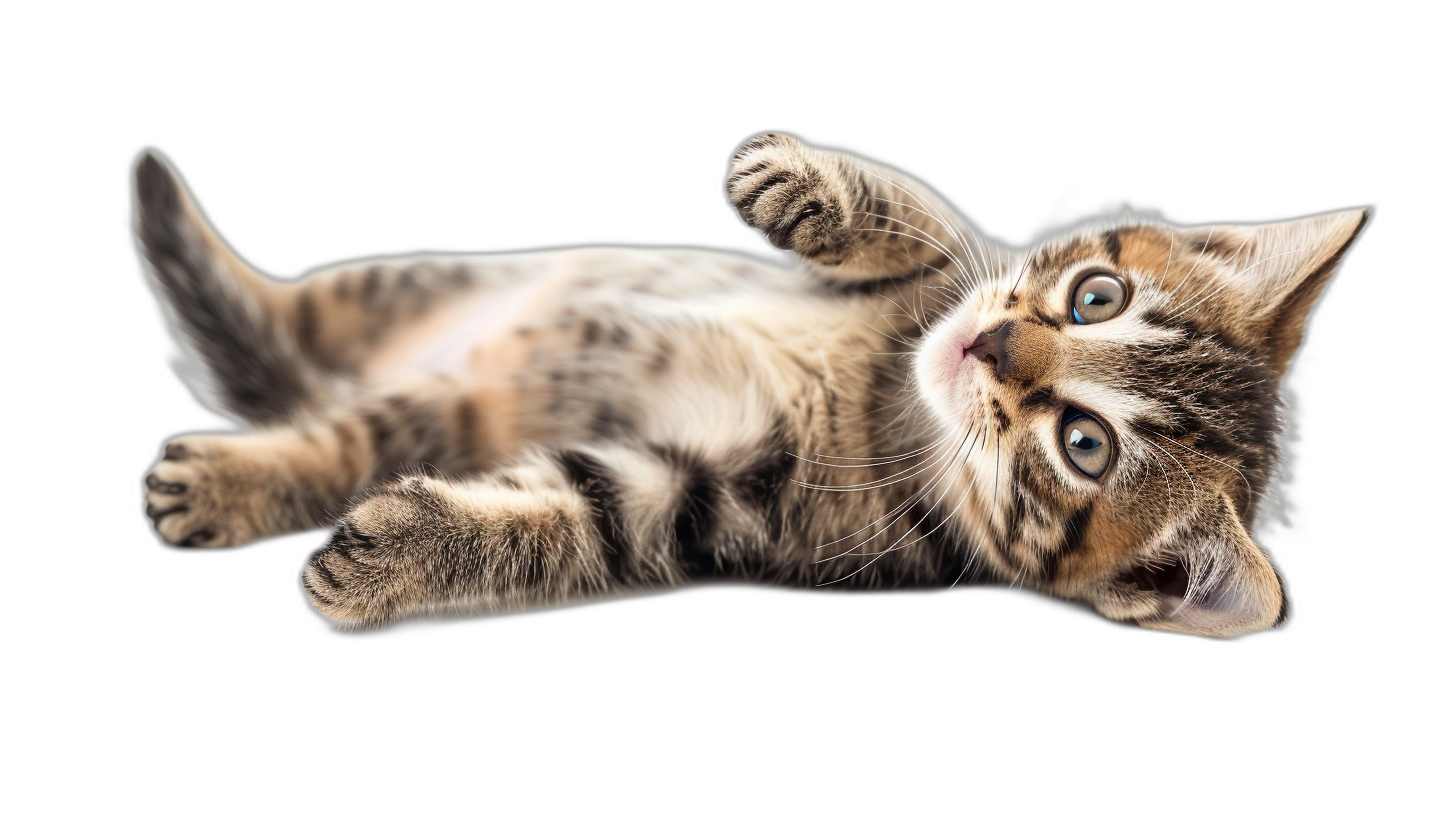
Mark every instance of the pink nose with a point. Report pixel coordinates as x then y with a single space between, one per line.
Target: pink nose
990 348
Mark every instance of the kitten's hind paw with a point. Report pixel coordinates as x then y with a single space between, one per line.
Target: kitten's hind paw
182 500
206 492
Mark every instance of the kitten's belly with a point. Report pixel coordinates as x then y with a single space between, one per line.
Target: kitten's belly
491 333
689 348
461 338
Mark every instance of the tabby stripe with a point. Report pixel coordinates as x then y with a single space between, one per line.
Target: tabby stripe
381 435
317 596
317 562
1074 530
882 216
466 419
308 323
661 359
373 280
692 525
1028 476
762 484
1002 420
1113 243
1045 319
1003 546
755 143
753 169
590 477
1040 398
746 203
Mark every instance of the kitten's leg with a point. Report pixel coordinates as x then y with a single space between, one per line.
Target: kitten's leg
848 218
558 527
218 491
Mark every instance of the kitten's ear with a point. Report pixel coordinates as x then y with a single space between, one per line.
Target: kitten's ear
1280 270
1208 578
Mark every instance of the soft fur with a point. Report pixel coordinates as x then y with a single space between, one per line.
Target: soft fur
490 432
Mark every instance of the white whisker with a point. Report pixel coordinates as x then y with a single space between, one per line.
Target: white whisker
1215 460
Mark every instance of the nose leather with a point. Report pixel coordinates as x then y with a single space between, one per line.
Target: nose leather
990 348
1017 350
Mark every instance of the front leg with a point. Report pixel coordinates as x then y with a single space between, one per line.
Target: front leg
848 218
560 526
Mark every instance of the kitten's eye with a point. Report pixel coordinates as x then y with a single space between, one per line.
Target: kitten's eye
1100 296
1087 443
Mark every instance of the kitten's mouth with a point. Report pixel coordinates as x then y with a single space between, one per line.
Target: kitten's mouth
1169 580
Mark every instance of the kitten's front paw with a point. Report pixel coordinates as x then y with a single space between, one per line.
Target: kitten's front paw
802 199
197 496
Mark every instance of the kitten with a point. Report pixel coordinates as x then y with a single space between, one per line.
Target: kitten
1094 418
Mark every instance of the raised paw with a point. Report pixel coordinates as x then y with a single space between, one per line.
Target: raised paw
206 492
802 199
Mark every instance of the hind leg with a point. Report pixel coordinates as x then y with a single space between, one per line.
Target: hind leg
224 490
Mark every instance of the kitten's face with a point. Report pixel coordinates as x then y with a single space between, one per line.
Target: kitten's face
1125 383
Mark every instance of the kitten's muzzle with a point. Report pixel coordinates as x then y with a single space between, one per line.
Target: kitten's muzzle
1015 349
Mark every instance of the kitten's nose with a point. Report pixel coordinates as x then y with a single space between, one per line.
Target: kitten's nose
1017 350
990 348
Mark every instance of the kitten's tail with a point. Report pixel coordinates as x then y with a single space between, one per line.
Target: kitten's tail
229 311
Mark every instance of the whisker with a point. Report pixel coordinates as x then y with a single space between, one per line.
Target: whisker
884 481
929 240
872 459
1165 451
907 504
1196 262
1172 238
1025 264
918 200
1204 288
897 543
1215 460
1231 279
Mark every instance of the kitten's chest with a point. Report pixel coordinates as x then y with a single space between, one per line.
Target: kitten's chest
679 348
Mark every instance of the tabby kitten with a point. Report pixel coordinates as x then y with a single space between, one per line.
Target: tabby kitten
1094 418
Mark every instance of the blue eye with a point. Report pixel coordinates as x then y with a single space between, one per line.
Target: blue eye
1098 297
1086 442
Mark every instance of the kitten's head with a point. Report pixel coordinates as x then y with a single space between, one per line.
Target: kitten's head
1126 384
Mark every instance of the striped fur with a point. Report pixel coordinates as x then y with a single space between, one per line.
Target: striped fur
492 432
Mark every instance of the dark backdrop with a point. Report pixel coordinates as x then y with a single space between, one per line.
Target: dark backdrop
307 177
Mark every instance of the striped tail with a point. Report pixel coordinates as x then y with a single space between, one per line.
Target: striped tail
228 310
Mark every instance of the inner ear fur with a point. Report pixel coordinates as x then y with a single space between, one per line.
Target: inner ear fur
1233 587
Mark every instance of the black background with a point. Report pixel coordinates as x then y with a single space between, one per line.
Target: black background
296 177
